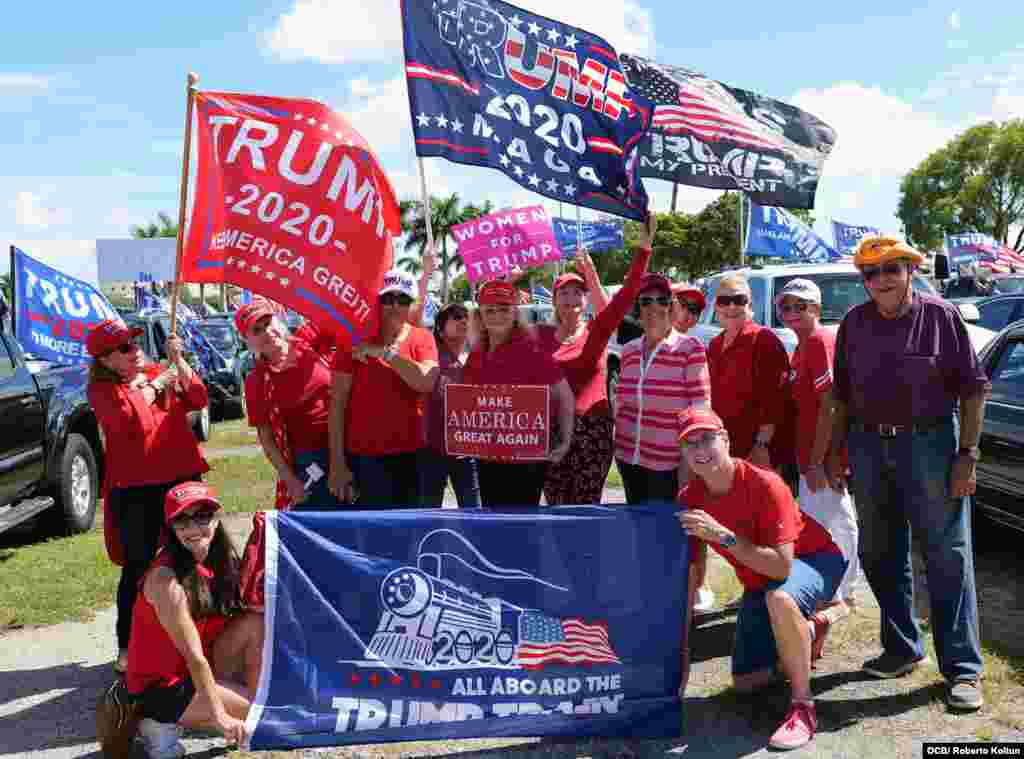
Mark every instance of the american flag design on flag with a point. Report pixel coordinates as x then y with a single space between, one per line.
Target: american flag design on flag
545 641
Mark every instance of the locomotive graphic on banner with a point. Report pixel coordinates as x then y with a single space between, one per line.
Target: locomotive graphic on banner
429 622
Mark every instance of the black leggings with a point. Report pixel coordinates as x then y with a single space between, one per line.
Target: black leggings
643 485
511 484
139 511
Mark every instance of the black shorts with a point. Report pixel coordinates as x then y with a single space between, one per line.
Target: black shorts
167 703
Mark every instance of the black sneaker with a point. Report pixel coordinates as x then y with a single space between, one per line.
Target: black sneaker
888 666
964 696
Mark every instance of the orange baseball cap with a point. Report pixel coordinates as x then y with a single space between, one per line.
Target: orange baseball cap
875 250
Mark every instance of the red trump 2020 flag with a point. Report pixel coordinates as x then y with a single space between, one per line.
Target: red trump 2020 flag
291 203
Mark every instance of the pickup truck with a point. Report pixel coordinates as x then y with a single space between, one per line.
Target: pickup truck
51 454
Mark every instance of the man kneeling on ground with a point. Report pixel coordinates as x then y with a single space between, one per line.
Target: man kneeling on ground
786 562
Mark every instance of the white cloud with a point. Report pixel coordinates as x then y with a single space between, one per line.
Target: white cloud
371 30
31 210
124 218
382 115
877 132
954 21
956 44
849 200
1008 105
24 83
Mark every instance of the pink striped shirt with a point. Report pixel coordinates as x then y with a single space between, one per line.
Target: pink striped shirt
649 399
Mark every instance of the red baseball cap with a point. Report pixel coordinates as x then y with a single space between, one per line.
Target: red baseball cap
497 292
106 336
569 278
689 291
180 497
697 419
251 313
654 281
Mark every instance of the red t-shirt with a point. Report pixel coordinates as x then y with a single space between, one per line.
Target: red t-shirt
810 378
148 444
302 392
748 383
153 659
384 415
761 508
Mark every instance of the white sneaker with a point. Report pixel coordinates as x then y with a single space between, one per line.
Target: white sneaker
704 601
161 740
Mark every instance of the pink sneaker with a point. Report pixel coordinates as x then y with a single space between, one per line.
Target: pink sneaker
797 728
821 628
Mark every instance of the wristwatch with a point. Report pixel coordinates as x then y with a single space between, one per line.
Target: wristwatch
728 541
390 353
973 452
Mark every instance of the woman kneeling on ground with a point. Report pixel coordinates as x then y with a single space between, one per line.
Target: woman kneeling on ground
189 635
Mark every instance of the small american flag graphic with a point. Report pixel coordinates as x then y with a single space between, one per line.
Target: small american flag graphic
545 640
688 103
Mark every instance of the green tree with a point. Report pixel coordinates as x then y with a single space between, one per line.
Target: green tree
445 213
712 239
975 183
164 226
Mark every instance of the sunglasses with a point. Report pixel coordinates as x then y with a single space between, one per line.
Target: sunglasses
650 300
699 440
789 308
199 519
693 308
124 349
892 268
732 300
390 299
458 317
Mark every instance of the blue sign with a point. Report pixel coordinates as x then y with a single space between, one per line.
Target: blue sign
847 236
54 312
595 236
543 102
440 624
776 233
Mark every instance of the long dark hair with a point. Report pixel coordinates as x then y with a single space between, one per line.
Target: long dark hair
220 595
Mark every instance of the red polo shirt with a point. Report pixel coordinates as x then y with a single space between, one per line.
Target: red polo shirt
384 415
302 392
761 508
148 444
811 378
748 383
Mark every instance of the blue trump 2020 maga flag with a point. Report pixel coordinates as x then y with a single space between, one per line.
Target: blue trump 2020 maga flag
595 236
777 233
847 236
54 311
543 102
436 624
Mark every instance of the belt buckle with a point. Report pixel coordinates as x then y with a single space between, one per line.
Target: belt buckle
887 430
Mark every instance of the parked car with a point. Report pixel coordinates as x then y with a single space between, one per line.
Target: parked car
51 451
156 327
995 313
226 384
842 288
1000 494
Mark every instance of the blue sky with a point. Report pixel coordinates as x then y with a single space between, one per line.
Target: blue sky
92 95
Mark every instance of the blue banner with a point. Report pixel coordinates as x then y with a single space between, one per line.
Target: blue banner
54 312
847 236
540 294
595 236
776 233
442 624
543 102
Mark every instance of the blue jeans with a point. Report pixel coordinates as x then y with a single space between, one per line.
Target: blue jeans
812 580
902 484
435 471
386 482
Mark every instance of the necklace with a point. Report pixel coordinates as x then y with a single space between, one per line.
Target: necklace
574 336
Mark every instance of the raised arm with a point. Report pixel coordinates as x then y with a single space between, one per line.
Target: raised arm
429 264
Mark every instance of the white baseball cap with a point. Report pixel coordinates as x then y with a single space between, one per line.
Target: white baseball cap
803 289
397 281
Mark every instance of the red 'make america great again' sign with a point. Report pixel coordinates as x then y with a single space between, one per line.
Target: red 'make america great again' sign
500 422
291 203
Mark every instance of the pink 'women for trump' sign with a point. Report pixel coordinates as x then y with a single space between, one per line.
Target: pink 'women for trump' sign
493 245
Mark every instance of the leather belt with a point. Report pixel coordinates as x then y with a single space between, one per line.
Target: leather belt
892 430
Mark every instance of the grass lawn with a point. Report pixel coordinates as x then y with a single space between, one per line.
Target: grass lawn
233 434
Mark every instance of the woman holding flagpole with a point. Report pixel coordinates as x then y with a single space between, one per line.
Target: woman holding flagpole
142 412
507 354
579 349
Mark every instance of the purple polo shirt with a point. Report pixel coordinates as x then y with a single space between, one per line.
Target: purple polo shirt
450 371
901 371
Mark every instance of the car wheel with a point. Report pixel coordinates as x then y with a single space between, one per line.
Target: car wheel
613 383
78 486
201 426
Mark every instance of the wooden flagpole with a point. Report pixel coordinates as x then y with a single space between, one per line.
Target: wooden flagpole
190 91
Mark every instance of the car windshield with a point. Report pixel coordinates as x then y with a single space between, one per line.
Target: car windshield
1008 285
840 291
221 335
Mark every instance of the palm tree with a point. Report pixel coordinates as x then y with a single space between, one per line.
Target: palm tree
445 213
165 228
412 265
7 286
